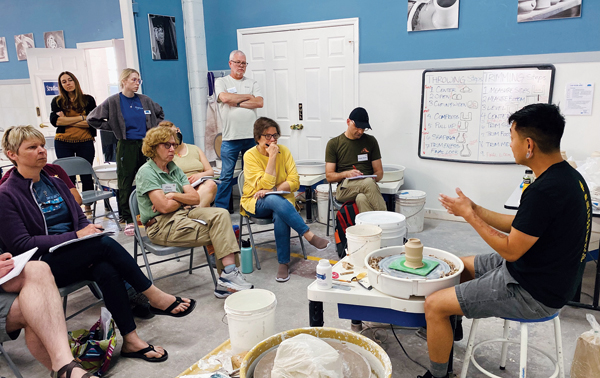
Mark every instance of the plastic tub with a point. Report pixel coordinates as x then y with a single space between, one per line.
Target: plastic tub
322 196
392 224
392 173
411 203
362 239
310 167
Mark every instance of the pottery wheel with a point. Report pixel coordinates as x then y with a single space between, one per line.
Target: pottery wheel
355 365
440 270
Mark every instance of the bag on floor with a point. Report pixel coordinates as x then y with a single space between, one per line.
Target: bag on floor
95 347
586 362
344 219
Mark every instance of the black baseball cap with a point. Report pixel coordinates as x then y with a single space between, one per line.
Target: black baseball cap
360 118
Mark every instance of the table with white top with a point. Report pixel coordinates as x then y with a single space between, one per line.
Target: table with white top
389 189
512 203
308 181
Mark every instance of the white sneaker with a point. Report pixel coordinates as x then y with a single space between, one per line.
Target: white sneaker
234 280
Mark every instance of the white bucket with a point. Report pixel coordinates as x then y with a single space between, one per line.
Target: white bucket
323 200
251 318
411 203
393 226
362 240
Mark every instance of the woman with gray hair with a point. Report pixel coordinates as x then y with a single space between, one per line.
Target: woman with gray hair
128 115
39 211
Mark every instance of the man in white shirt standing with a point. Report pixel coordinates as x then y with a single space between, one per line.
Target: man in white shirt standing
238 98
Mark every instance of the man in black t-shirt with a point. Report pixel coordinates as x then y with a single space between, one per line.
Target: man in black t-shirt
351 155
540 251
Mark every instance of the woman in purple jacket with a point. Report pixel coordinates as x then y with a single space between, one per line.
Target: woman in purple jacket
39 211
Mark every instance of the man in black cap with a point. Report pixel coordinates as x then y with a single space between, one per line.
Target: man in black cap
352 155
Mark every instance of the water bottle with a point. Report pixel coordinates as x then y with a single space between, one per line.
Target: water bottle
246 252
527 179
324 274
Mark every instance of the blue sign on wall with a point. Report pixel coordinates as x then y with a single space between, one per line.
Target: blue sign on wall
51 88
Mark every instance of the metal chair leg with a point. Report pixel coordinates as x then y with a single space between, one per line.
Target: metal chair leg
11 364
212 272
252 243
191 259
302 245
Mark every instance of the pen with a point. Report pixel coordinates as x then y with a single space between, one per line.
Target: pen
354 166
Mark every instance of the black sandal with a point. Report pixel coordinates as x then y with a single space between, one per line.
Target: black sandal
68 369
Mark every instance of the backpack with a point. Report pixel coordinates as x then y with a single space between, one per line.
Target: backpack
344 219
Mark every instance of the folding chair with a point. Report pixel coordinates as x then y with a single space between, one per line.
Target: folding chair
148 247
260 222
332 206
76 165
65 291
11 364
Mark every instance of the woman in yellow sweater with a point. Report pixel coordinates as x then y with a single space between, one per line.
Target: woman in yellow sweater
194 163
270 167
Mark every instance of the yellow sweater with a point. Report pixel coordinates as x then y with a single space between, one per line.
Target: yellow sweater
255 177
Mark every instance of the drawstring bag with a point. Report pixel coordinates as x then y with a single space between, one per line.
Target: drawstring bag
95 347
586 362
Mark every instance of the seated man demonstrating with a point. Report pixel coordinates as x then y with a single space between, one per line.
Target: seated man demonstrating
21 299
54 171
353 154
540 250
165 195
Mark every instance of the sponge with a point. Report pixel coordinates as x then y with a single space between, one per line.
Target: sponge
428 266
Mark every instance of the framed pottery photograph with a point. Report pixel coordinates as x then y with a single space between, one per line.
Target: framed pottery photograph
54 40
3 50
432 14
22 43
163 39
540 10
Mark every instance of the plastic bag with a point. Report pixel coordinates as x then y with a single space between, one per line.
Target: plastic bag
590 170
306 356
95 347
586 362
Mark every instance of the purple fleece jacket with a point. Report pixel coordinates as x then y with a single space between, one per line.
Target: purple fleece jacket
22 224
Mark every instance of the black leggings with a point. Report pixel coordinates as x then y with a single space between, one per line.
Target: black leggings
105 261
85 150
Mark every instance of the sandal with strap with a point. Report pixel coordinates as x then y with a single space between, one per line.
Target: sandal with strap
68 369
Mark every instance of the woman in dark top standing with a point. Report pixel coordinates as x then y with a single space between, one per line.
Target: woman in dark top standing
128 115
74 137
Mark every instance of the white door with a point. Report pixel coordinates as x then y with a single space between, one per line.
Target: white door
308 78
44 67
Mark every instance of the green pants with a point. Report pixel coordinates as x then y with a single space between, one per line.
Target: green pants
129 160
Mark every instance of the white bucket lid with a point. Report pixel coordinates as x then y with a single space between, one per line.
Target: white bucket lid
364 230
381 218
249 302
411 194
324 188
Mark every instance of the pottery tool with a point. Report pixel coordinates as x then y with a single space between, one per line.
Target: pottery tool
428 266
359 277
341 287
340 280
350 272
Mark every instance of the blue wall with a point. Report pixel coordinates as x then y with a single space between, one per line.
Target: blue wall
81 21
486 28
165 81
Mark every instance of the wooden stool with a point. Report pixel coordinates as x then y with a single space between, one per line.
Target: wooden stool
559 369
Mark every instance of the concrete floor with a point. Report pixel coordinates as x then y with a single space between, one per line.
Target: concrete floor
190 338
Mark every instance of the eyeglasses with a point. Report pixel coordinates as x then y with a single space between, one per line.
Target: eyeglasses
239 63
169 145
269 136
138 81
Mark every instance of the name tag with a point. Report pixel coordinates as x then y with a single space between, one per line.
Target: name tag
232 90
168 188
146 112
363 157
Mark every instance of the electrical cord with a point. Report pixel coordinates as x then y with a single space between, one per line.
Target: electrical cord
404 350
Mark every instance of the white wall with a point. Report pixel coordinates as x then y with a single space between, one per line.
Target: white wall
393 98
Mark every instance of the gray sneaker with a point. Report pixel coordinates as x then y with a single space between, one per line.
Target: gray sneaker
232 282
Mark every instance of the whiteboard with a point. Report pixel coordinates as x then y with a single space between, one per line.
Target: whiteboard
464 112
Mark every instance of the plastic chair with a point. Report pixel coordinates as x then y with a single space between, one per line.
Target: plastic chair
148 247
559 368
260 222
65 291
76 165
332 207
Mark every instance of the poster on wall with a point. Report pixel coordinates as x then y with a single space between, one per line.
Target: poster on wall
3 50
540 10
432 14
54 39
162 37
22 43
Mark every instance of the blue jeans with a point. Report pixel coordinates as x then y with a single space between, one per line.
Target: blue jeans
284 216
230 149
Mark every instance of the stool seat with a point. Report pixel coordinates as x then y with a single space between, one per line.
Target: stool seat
557 361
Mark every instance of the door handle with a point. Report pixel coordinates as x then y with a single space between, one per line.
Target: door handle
297 127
